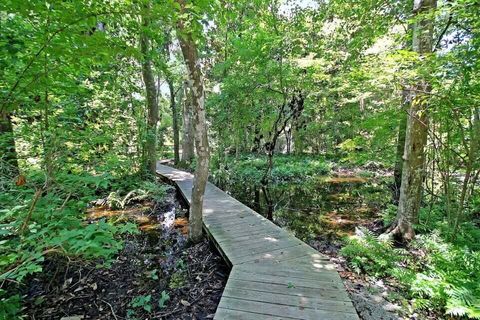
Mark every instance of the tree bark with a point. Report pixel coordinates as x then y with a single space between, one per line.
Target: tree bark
7 142
173 107
416 131
190 55
188 129
402 128
472 164
152 103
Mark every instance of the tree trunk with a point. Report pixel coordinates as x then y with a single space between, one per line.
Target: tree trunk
188 129
402 128
8 151
152 103
173 107
416 131
472 164
189 51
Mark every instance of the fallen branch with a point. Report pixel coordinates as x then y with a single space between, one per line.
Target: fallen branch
37 195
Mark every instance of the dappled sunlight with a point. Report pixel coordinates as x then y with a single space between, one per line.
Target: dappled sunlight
182 225
271 239
345 179
105 212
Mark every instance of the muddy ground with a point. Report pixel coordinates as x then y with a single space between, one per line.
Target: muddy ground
156 276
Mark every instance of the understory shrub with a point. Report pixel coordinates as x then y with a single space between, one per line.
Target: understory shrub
34 225
249 169
433 273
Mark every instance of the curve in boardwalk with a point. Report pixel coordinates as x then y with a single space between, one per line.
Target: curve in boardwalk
274 275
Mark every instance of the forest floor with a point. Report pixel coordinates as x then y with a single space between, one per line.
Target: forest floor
372 299
354 202
156 275
359 199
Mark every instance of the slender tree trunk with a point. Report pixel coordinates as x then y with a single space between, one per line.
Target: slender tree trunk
190 54
188 129
470 167
416 131
8 151
402 128
173 107
152 103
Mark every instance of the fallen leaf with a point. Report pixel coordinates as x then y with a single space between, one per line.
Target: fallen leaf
20 180
185 303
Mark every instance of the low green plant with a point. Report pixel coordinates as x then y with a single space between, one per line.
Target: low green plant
177 280
449 279
51 223
143 302
145 190
434 274
163 299
9 305
367 253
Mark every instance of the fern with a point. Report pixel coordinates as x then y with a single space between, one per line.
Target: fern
368 253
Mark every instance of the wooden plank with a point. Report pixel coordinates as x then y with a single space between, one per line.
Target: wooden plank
270 309
249 270
315 303
227 314
264 247
287 268
233 218
253 242
327 292
249 235
323 281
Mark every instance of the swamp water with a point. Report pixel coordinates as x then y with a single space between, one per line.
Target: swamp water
322 206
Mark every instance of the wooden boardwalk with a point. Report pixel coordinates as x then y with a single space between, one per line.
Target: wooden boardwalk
274 275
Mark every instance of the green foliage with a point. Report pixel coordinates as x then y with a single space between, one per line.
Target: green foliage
177 280
435 275
449 279
143 302
367 253
163 299
251 168
179 277
9 305
54 226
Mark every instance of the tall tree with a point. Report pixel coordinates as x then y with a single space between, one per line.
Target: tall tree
417 128
190 55
402 128
174 109
187 129
151 93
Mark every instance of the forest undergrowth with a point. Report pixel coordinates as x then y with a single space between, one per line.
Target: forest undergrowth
342 210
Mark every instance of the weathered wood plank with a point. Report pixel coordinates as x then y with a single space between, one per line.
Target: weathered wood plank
248 271
315 303
273 309
227 314
323 279
326 292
